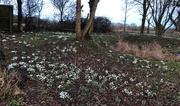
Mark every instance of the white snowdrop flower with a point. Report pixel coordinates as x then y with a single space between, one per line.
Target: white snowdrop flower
142 93
28 45
4 40
149 92
125 82
142 66
147 66
63 50
11 66
14 58
23 57
121 57
161 80
110 51
100 77
23 52
60 86
74 50
33 54
64 95
162 62
58 76
31 69
89 80
165 67
41 77
60 37
31 61
91 71
22 63
135 61
139 84
146 61
13 36
131 79
28 57
123 75
68 82
36 57
25 43
125 90
20 41
106 71
13 51
78 71
64 39
77 41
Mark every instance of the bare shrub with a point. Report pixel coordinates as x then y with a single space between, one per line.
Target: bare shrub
151 51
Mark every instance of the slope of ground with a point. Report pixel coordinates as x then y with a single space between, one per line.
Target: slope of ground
57 70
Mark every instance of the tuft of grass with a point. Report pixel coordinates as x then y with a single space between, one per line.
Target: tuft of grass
8 82
150 51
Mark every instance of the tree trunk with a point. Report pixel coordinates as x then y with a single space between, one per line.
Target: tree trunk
148 28
83 35
61 21
20 28
159 29
143 24
78 20
145 10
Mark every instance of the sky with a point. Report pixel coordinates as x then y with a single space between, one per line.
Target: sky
112 9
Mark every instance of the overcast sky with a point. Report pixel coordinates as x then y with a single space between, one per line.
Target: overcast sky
108 8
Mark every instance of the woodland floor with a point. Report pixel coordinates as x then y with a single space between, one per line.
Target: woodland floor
57 70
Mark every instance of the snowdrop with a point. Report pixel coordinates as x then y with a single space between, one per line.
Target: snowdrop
135 61
4 40
11 66
23 57
13 51
31 69
41 77
74 50
14 58
121 57
64 95
125 90
147 66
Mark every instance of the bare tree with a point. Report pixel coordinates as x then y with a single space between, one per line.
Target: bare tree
62 6
20 17
83 34
31 8
127 6
176 20
40 7
162 11
144 6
